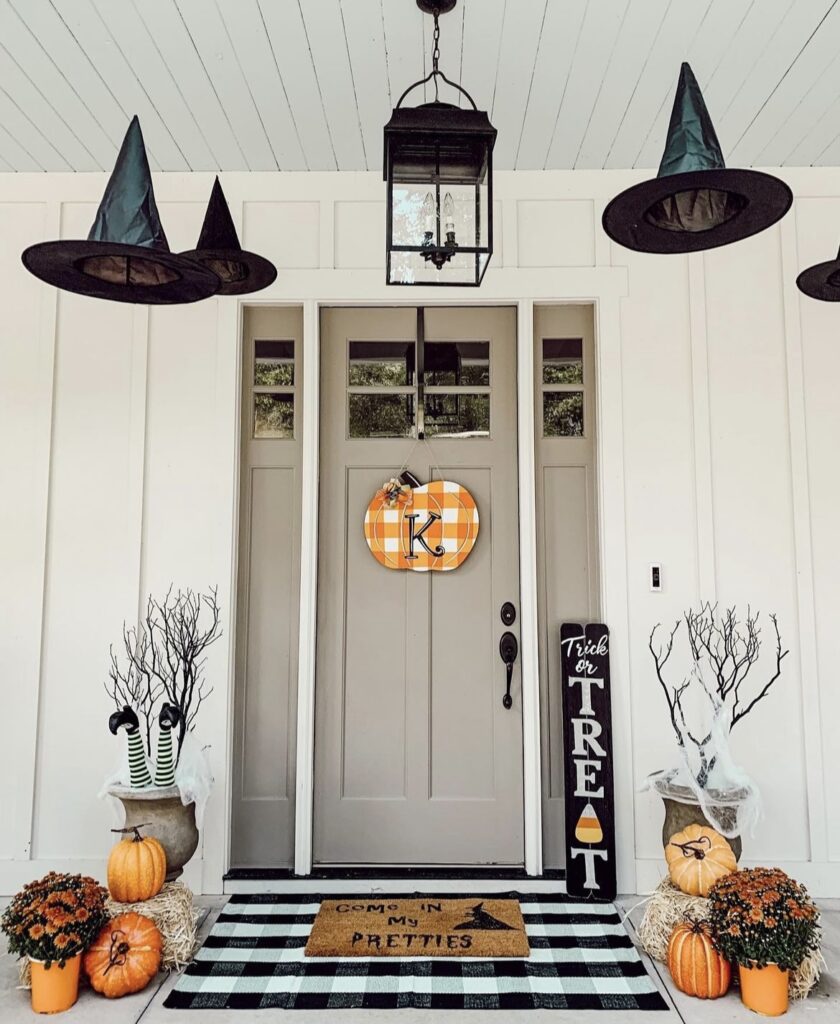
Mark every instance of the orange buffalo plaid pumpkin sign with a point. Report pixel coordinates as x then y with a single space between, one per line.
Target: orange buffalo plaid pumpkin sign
432 528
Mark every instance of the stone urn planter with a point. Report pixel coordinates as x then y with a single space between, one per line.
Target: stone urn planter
682 809
165 818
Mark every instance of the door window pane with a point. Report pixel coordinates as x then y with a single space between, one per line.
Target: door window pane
562 361
457 415
462 363
274 363
381 364
378 415
274 415
562 414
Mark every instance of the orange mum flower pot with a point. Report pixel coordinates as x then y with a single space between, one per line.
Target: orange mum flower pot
764 989
56 989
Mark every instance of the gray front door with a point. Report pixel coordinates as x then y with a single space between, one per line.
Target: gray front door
417 761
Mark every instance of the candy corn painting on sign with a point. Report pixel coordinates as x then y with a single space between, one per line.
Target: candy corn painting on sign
587 743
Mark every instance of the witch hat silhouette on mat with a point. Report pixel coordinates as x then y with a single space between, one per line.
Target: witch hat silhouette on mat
138 766
482 921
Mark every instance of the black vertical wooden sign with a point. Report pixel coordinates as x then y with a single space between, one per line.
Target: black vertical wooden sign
587 748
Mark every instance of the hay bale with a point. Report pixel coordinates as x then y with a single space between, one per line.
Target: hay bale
665 909
668 906
172 911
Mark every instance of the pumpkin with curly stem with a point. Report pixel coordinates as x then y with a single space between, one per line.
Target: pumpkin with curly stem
697 857
125 956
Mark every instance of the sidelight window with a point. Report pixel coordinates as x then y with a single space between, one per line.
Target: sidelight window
273 389
562 387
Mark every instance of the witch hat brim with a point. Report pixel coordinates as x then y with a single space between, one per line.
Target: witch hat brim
126 257
219 250
695 202
822 281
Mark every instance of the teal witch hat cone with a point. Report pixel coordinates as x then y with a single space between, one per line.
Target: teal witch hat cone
695 202
126 257
692 143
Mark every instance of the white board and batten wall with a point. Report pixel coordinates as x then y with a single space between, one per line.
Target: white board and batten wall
717 430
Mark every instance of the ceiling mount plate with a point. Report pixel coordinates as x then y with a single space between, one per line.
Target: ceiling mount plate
436 6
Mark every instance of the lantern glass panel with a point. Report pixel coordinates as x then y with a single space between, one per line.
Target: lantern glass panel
413 219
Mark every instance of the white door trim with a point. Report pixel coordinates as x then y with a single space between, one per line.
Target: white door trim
528 639
304 806
305 767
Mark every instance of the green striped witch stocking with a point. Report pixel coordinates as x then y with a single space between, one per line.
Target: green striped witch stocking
138 769
170 716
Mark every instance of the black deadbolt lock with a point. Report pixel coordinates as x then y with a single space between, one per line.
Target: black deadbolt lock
508 613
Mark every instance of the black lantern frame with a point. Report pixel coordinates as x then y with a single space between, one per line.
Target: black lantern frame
440 148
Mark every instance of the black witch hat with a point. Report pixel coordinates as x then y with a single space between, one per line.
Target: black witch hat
125 257
695 202
822 281
219 250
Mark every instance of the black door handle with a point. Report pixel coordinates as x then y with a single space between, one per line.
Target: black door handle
508 649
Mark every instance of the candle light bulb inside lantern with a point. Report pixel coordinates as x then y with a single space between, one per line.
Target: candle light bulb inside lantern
449 218
429 217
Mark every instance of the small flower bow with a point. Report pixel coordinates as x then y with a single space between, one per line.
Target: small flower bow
394 493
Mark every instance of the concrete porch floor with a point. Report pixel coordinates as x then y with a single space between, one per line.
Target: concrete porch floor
822 1007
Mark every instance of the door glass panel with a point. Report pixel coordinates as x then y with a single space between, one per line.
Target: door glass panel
562 414
457 415
274 415
562 361
381 415
456 362
274 363
381 364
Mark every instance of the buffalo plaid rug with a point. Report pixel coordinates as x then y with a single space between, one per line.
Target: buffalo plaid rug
581 959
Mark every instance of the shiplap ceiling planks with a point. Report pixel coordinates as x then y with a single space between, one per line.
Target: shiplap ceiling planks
294 85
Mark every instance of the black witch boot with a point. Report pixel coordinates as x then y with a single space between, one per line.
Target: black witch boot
138 770
170 716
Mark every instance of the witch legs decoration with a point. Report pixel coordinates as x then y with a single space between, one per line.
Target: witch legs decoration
138 769
170 716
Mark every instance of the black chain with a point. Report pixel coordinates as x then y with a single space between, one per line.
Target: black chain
436 55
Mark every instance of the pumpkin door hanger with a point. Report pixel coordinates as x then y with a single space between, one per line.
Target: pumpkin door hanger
432 528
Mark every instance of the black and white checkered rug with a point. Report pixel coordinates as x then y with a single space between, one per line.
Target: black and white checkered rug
581 959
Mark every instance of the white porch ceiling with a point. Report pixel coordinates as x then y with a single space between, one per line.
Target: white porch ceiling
263 85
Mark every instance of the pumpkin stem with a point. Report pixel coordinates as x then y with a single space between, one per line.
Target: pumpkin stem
118 952
694 847
133 828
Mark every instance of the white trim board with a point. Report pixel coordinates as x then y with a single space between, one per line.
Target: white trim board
820 878
340 886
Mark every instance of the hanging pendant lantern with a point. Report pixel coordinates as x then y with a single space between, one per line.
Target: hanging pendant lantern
695 202
439 174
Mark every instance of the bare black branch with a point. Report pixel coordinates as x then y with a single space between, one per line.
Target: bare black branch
165 659
723 651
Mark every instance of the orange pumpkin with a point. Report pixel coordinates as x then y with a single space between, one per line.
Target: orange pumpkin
125 956
136 867
697 857
429 528
695 965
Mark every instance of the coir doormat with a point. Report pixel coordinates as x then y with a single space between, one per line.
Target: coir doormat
582 958
419 927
